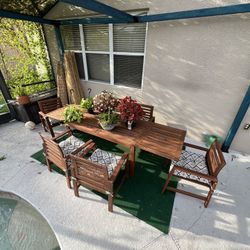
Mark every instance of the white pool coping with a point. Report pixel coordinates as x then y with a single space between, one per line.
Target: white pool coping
85 223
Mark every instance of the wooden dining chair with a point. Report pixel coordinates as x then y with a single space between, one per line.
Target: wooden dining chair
98 172
58 149
198 168
45 107
148 112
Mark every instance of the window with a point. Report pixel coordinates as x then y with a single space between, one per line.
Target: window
111 53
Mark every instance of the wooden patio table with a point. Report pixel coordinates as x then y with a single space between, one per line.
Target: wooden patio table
152 137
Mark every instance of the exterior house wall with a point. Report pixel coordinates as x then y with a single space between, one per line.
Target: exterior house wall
196 71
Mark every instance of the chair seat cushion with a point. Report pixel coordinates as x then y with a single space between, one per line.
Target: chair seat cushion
192 161
109 160
53 121
70 144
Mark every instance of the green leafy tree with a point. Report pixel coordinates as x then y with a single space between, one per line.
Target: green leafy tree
23 54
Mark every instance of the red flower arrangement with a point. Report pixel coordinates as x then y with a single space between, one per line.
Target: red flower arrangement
130 110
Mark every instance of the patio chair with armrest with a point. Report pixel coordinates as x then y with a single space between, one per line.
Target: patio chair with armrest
198 168
45 107
58 149
98 172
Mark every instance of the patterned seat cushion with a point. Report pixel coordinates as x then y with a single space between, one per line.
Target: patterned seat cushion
109 160
53 121
70 144
192 161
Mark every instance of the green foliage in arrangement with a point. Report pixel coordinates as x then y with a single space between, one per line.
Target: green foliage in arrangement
87 103
109 118
19 91
23 55
72 114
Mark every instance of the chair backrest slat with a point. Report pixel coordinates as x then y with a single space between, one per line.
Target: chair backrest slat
148 111
49 105
54 152
90 174
215 159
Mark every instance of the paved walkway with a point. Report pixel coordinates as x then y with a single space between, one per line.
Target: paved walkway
85 223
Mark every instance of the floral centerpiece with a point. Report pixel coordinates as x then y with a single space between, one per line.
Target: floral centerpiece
105 102
130 110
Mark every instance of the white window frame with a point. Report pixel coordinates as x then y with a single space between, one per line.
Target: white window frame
111 54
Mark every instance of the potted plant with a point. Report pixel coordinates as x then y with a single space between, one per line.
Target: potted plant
105 102
87 104
21 96
130 111
72 114
109 120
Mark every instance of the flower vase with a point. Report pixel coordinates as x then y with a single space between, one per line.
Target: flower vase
130 125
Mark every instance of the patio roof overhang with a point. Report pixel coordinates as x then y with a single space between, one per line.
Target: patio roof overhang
31 12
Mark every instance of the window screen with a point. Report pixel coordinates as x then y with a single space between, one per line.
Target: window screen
129 37
96 37
71 37
128 70
98 67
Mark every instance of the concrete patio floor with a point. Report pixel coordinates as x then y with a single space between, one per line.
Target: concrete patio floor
85 223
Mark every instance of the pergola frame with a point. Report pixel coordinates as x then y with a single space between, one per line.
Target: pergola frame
115 15
118 16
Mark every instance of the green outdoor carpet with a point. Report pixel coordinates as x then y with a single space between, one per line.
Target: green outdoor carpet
140 195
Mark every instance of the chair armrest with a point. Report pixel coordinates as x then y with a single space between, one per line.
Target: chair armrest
119 166
195 146
67 132
42 114
86 147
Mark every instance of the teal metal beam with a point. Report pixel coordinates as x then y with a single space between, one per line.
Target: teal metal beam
101 8
91 20
12 15
237 121
59 41
206 12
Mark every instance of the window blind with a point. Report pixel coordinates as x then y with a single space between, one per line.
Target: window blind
71 37
96 37
128 70
129 37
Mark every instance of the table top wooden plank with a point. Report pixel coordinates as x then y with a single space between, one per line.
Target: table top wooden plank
153 137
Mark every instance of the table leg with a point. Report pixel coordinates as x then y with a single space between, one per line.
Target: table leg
132 161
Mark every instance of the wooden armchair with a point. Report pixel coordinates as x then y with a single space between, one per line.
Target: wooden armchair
148 112
99 172
58 152
197 168
45 107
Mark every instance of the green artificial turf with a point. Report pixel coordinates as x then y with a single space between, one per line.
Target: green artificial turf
140 195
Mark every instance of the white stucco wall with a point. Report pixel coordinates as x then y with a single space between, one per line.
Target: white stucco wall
196 71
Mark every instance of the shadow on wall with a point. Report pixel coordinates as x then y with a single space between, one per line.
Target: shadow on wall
197 72
120 91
